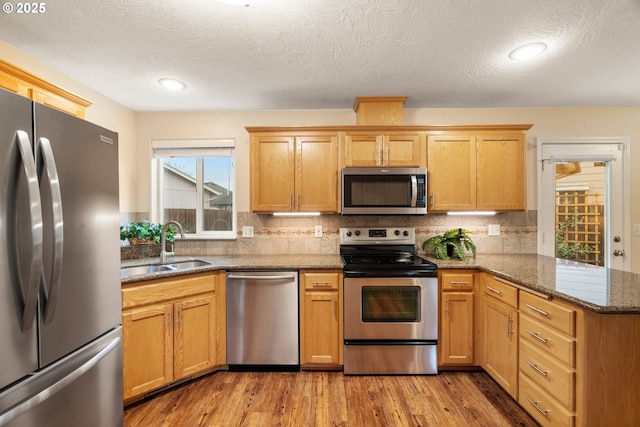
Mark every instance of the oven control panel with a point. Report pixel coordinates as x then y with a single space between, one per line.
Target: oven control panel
377 235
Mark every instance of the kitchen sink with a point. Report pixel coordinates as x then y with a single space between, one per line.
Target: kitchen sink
183 265
141 270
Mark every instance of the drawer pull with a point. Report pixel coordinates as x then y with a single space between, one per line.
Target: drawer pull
535 367
494 290
460 283
321 284
535 405
536 336
537 310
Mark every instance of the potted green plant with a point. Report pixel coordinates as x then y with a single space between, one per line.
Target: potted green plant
453 242
144 233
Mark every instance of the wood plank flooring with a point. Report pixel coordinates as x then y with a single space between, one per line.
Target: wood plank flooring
310 398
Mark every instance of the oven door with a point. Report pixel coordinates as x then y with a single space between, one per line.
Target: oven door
391 308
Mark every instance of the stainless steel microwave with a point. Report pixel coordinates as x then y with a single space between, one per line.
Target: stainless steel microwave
384 191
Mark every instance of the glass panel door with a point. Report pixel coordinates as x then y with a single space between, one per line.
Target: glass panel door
583 210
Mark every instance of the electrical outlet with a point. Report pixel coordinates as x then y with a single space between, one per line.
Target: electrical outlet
247 231
318 231
494 229
636 229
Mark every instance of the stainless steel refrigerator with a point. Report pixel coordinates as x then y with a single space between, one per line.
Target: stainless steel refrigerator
60 304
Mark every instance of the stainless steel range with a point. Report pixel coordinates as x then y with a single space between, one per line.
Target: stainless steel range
390 303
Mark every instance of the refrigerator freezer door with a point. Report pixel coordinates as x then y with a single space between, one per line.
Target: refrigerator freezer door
87 297
82 389
18 351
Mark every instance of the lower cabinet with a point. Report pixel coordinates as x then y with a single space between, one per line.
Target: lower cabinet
456 337
500 332
321 339
170 331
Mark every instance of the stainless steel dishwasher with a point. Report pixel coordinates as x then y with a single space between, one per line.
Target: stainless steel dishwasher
262 321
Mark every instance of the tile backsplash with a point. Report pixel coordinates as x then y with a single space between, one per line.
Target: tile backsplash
293 235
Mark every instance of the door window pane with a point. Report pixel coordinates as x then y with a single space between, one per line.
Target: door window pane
580 211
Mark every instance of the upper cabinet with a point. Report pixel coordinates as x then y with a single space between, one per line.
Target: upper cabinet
294 172
386 149
482 170
470 167
26 84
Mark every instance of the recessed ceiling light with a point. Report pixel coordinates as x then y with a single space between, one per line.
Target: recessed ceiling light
172 84
528 51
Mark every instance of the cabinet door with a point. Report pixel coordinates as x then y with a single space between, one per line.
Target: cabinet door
195 335
501 344
456 341
501 174
272 173
321 341
316 173
451 163
363 150
147 348
401 150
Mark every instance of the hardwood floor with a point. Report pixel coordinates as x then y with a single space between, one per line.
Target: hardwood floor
309 398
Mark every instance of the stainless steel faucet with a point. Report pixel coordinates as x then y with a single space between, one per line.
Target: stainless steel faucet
164 255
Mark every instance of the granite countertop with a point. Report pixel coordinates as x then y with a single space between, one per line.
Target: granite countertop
595 288
238 262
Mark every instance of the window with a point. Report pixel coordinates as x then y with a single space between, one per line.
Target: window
194 184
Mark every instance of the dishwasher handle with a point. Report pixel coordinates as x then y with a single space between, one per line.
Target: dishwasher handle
251 277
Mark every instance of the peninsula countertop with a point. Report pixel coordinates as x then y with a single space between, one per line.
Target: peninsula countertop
597 289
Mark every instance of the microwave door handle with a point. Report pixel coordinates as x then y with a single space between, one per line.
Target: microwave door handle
414 191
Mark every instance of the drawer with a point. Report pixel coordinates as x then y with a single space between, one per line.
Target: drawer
548 341
551 313
556 379
321 280
456 281
546 411
500 290
154 291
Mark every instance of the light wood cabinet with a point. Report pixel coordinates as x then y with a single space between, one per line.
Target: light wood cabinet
147 348
500 332
547 360
393 149
26 84
171 331
476 171
294 173
456 339
321 339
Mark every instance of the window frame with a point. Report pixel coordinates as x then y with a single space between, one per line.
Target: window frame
198 148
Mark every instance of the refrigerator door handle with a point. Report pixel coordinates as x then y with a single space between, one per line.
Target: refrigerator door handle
43 395
35 213
51 292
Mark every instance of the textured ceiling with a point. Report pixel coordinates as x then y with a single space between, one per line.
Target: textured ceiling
302 54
